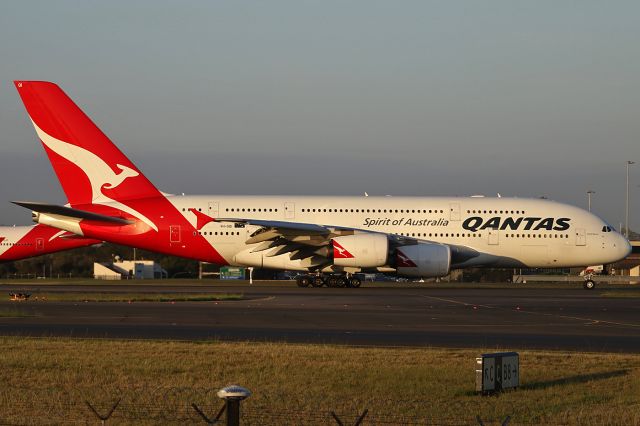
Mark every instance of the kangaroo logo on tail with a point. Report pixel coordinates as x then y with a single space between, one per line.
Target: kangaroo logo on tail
99 173
127 172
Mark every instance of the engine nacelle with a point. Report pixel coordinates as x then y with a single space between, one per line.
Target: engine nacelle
360 250
423 260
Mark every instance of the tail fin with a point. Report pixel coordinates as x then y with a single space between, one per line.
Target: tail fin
89 166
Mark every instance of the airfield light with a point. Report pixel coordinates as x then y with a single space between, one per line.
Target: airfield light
233 395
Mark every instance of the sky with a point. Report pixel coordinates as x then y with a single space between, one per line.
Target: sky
328 97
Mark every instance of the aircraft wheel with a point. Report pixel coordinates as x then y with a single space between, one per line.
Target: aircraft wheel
589 284
317 282
303 281
355 282
332 282
341 282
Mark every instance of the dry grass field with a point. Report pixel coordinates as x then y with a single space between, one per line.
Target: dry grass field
47 381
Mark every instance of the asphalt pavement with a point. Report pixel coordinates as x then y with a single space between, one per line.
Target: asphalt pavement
490 318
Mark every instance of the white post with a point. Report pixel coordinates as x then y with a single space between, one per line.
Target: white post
589 192
626 212
250 274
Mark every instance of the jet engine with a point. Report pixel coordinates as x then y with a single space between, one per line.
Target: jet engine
423 260
360 250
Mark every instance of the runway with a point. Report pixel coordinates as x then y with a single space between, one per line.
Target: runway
506 318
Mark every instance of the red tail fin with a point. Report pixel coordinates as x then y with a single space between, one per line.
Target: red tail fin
89 166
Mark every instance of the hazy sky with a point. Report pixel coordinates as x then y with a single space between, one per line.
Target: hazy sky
338 97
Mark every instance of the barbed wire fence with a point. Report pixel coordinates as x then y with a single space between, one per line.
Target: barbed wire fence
187 405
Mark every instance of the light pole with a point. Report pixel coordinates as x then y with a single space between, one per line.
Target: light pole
626 210
589 193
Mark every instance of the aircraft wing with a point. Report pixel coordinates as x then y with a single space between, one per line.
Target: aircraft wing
304 240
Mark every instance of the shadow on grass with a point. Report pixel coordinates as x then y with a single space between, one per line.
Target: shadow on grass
581 378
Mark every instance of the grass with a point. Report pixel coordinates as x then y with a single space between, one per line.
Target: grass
133 297
48 380
621 294
12 312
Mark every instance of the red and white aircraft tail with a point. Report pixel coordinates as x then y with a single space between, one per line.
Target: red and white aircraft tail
102 173
107 193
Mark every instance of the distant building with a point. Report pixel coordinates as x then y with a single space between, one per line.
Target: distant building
630 266
128 269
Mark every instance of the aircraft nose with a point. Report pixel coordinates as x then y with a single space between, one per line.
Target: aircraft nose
625 246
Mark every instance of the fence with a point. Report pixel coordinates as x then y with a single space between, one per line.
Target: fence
180 406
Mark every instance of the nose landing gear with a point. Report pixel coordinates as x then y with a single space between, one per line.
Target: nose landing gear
589 283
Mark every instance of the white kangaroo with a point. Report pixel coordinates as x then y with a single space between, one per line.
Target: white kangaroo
98 172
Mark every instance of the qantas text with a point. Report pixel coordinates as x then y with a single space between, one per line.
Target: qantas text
476 223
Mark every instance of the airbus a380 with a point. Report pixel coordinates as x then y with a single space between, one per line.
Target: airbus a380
111 200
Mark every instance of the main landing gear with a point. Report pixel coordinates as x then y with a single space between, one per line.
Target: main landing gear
328 280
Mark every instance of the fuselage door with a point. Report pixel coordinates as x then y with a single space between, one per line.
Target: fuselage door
213 209
581 237
289 210
494 237
454 209
39 243
174 233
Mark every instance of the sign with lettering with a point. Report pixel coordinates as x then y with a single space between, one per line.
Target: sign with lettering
497 371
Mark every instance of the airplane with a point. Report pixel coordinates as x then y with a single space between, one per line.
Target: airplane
21 242
328 239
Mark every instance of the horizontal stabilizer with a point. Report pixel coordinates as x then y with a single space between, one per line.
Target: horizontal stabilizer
69 212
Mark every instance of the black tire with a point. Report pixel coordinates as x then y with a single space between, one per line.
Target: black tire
332 282
317 282
341 282
355 282
303 281
589 284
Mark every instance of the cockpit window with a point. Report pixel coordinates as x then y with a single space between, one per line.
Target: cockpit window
606 229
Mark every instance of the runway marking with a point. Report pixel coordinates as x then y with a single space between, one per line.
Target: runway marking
261 299
458 302
590 321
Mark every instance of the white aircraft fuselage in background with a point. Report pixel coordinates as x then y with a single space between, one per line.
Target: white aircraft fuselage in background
22 242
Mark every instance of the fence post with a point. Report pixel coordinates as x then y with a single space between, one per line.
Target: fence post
205 417
358 421
105 417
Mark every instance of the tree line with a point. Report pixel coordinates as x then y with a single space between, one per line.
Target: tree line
79 262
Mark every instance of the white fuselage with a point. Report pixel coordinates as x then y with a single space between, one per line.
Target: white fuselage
507 232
